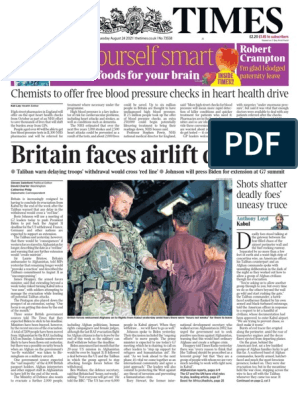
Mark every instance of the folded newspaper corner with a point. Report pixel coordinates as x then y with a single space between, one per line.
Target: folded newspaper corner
152 197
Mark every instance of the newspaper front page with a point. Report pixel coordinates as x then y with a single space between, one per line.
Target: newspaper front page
106 317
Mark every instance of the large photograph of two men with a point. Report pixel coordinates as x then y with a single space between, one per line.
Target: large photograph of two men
149 247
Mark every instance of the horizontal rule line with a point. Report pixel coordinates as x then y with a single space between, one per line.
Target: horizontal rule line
40 180
36 104
259 229
258 215
32 141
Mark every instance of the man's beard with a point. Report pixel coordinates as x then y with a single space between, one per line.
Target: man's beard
279 225
118 216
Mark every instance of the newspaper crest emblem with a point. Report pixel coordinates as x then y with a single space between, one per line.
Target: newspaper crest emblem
135 21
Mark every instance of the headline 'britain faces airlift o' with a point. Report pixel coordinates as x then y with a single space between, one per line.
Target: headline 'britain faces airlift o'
109 256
